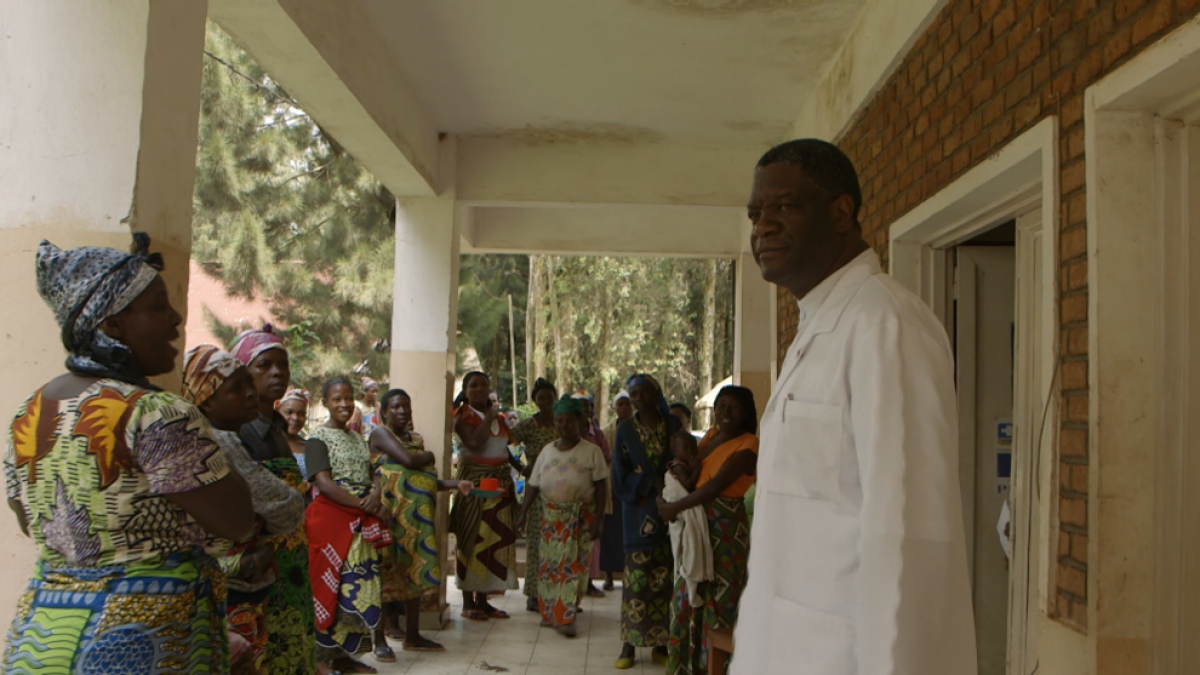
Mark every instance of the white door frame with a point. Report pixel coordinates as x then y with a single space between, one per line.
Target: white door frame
1142 143
1020 181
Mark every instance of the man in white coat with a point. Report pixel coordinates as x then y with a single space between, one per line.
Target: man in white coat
857 560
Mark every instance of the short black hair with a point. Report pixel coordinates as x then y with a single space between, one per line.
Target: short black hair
333 382
745 397
823 163
383 402
540 384
686 409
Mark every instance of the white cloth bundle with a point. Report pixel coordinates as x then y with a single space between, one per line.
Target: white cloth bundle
689 540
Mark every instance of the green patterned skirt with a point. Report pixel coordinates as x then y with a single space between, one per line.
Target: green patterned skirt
410 566
563 568
291 641
646 596
717 600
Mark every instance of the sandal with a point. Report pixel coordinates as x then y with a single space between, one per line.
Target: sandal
474 615
384 654
425 645
594 592
495 613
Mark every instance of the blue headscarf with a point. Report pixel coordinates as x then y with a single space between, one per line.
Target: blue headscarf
86 285
648 379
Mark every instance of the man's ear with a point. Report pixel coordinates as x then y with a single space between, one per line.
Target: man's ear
842 211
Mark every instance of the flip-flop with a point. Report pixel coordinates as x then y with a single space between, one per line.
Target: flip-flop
384 654
474 615
495 613
425 645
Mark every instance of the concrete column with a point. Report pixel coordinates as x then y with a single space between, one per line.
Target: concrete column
425 324
97 135
753 329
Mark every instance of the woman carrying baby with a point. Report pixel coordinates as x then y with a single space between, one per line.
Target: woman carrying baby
715 477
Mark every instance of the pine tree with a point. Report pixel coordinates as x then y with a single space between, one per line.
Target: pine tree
282 212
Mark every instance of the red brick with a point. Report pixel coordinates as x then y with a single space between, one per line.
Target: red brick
1041 73
1005 72
1156 18
1028 112
1028 51
1018 89
1079 547
1064 542
1076 209
1072 580
1079 483
1070 47
1074 176
1077 341
1080 8
982 91
1073 244
1003 20
1077 408
1072 111
1072 512
1072 442
1100 25
1074 375
1074 307
1060 23
1089 67
1125 8
969 27
1077 275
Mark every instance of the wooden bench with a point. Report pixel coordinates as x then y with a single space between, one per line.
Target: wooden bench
720 649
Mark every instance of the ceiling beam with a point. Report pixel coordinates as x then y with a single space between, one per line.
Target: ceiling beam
330 58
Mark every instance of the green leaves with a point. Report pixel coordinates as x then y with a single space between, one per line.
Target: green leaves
282 212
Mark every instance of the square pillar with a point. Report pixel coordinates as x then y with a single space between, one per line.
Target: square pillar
424 330
753 328
98 131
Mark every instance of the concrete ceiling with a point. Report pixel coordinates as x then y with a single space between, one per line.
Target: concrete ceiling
732 72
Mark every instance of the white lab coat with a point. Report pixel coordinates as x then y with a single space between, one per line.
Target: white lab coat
857 560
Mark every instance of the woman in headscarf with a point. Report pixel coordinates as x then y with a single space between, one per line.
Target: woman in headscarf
118 483
289 608
612 548
294 409
728 459
347 522
264 354
572 476
223 389
367 411
535 433
408 486
638 471
483 526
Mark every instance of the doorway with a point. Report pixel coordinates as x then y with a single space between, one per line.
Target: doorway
984 335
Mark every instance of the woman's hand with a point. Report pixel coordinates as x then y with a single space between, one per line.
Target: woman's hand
519 526
371 504
464 487
666 510
597 526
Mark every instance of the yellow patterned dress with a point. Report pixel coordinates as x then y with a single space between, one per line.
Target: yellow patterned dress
122 583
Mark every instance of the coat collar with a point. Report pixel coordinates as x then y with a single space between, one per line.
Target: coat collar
843 285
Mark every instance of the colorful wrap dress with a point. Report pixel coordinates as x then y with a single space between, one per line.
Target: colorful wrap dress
343 560
486 556
410 566
566 479
123 583
292 643
729 535
534 437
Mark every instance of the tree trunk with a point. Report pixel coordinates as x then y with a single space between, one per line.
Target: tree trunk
708 332
560 373
535 351
603 356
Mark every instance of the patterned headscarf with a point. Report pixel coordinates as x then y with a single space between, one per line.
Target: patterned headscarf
86 285
646 378
368 382
567 403
582 395
205 369
251 343
294 395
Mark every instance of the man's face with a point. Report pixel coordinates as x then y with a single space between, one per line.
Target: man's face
793 234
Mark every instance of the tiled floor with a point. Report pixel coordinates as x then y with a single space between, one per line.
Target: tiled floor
521 645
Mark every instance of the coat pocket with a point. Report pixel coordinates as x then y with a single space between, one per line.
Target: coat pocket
809 642
809 460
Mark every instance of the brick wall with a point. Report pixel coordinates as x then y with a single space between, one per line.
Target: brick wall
982 73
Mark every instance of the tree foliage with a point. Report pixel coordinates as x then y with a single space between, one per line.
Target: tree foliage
282 212
485 283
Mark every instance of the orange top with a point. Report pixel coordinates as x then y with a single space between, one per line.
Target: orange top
714 460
